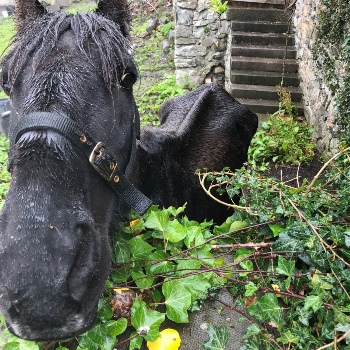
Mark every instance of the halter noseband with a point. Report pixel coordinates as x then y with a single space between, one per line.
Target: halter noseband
99 156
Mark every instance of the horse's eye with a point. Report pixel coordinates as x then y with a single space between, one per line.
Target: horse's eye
127 80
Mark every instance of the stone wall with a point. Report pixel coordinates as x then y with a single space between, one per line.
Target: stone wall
200 43
319 102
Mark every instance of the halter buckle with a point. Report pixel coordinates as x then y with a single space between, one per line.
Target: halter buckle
104 161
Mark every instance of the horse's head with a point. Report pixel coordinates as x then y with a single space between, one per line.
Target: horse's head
70 79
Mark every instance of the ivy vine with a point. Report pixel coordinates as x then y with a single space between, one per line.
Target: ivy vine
332 56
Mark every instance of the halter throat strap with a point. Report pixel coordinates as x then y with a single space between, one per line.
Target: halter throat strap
100 157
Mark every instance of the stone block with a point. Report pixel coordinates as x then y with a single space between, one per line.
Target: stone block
199 33
188 4
207 42
191 51
202 5
185 41
182 31
184 62
184 17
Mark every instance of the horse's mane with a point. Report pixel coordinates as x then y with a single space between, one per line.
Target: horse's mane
40 38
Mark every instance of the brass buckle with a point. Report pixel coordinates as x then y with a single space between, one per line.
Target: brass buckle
97 152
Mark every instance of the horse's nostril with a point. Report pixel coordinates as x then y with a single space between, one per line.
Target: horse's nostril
82 272
15 307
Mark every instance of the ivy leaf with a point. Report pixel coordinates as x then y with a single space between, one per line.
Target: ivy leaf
177 301
288 338
285 267
141 279
250 289
203 253
286 242
242 253
218 338
135 341
340 317
96 338
150 320
104 312
174 232
115 328
252 330
21 345
347 238
157 220
196 285
121 250
192 234
266 308
276 229
139 248
313 302
186 266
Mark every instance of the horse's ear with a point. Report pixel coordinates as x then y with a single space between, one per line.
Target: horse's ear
27 10
117 11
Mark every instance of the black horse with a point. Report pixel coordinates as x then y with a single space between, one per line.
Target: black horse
75 161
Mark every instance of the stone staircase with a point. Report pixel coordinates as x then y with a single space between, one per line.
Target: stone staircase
263 54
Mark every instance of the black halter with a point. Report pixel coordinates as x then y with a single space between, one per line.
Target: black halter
99 156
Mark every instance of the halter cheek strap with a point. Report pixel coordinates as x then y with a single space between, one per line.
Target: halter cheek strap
100 157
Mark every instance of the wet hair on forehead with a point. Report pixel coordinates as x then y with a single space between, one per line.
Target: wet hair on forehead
42 37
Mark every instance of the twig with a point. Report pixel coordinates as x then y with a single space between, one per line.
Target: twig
251 319
325 165
335 341
313 228
202 178
243 245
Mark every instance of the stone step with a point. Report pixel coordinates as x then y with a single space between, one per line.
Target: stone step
263 38
264 64
261 92
265 106
261 27
258 3
269 51
254 14
265 5
264 78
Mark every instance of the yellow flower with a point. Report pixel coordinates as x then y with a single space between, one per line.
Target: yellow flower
276 288
169 340
133 222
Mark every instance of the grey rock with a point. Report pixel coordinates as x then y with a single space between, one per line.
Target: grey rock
171 37
189 4
166 45
184 17
153 23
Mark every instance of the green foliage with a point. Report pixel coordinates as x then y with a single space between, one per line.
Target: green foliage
84 6
332 56
297 290
150 100
218 6
165 28
281 139
218 338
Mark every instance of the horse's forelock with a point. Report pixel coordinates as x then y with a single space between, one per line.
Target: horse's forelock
40 39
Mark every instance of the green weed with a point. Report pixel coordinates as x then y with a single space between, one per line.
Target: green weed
218 6
150 100
281 140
